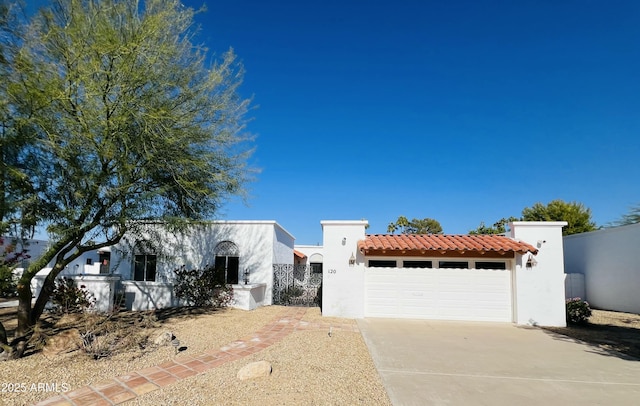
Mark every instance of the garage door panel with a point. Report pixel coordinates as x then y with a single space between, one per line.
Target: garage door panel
447 294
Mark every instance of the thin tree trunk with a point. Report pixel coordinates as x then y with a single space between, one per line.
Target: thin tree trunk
4 342
24 308
45 293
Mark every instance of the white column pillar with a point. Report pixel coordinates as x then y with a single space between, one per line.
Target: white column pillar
539 289
342 283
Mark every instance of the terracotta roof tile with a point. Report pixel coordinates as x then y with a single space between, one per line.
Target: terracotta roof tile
298 254
443 242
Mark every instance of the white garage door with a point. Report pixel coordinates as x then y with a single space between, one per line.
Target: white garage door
446 294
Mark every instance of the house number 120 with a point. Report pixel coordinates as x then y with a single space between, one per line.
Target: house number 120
331 271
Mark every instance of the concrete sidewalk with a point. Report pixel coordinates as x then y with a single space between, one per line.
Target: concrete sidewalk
462 363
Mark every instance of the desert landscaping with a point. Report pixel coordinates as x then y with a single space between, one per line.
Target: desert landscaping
324 365
309 367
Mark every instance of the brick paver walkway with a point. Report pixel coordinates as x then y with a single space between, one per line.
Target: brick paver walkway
126 387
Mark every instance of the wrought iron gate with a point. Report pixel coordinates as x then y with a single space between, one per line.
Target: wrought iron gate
296 285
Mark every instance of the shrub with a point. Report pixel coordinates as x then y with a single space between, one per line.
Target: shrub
202 287
289 294
67 297
318 299
8 286
578 310
103 336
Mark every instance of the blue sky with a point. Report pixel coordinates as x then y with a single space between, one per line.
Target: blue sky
462 111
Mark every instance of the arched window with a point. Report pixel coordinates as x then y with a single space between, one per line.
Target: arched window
316 263
227 262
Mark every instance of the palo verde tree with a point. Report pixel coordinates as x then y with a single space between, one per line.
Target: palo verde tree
415 226
126 120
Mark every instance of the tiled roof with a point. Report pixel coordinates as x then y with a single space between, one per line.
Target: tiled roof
298 254
443 243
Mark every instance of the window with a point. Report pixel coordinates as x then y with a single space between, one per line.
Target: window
227 262
453 264
417 264
144 267
379 263
491 265
105 258
315 262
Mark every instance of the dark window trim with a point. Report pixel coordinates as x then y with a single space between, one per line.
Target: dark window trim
149 269
316 267
453 264
382 263
491 265
417 264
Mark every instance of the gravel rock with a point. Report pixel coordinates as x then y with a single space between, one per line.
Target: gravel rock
309 367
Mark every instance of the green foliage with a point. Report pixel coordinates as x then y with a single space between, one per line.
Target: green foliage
290 293
499 227
202 287
10 257
8 282
109 114
632 217
575 214
578 311
67 297
415 226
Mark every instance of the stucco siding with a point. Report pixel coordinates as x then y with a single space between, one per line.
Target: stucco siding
610 262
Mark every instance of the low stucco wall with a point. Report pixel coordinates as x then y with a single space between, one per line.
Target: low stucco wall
250 296
149 295
102 287
159 295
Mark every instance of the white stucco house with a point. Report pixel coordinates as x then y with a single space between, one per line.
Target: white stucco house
141 266
516 278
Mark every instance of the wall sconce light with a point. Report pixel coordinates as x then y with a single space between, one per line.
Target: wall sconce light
352 260
531 262
344 240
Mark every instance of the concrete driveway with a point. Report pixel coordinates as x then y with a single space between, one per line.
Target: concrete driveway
464 363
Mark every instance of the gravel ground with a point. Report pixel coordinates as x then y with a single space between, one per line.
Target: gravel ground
309 367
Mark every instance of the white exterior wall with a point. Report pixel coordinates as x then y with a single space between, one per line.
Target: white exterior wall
260 244
539 297
309 250
283 246
343 285
609 259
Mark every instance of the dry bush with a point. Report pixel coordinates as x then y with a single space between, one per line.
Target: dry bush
103 336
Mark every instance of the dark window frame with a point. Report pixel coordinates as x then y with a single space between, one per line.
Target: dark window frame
453 264
417 264
227 262
382 263
145 267
501 265
316 267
